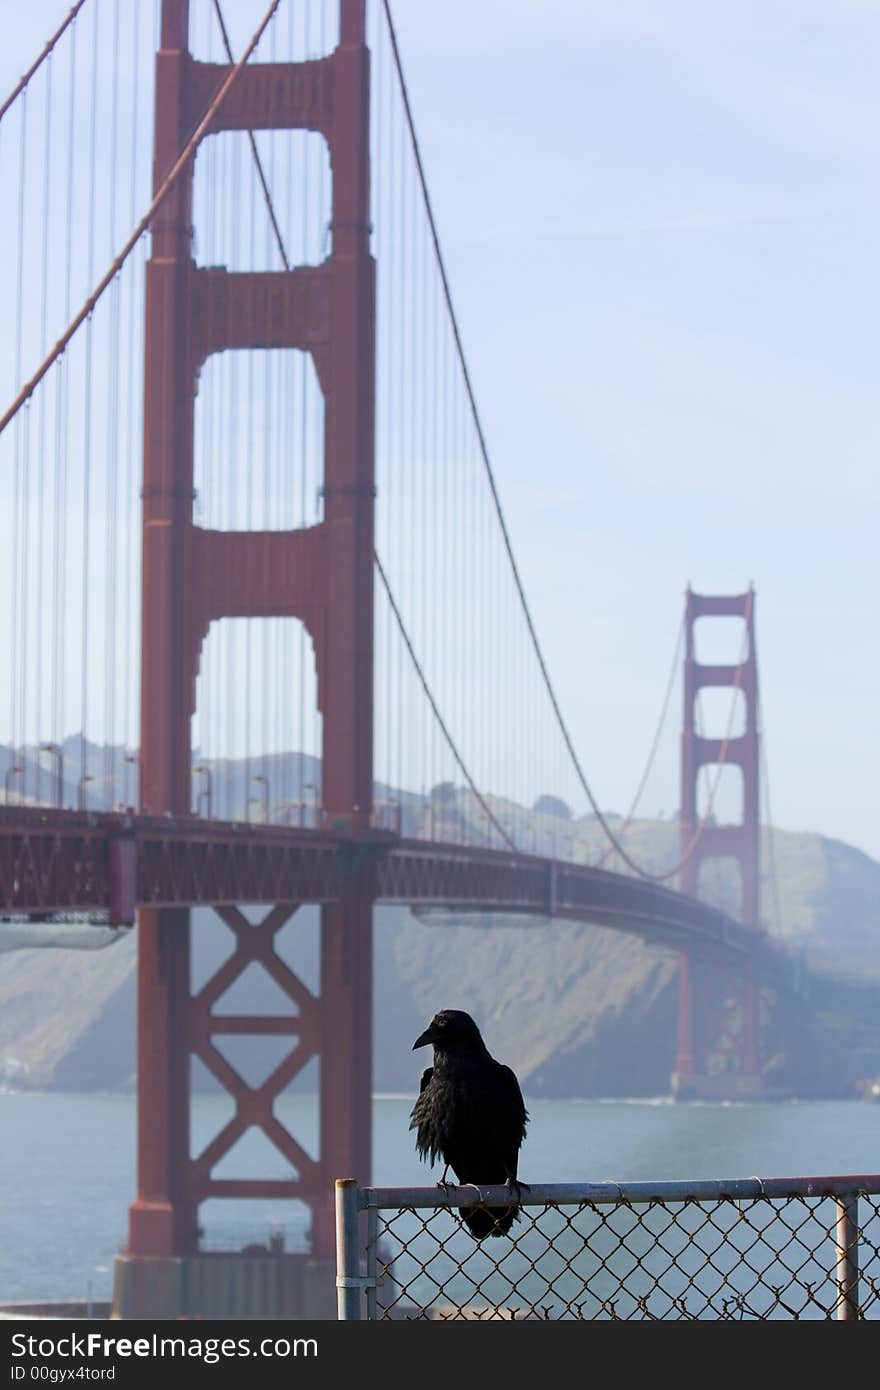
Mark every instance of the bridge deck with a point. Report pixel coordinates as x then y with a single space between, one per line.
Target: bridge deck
62 862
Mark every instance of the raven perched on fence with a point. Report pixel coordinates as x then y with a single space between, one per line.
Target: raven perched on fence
470 1111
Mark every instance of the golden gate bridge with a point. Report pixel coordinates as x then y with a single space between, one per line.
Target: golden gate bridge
248 508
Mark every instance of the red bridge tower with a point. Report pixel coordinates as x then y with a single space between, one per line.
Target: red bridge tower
322 575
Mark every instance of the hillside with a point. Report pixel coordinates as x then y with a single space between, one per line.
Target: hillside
576 1010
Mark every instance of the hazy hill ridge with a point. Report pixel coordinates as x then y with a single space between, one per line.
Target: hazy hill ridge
576 1010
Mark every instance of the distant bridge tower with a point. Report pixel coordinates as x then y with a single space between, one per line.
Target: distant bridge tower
718 1015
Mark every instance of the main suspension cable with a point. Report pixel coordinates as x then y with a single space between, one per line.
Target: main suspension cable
254 151
628 819
450 742
771 841
168 183
38 62
484 452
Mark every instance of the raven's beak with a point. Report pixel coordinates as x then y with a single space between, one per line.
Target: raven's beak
423 1039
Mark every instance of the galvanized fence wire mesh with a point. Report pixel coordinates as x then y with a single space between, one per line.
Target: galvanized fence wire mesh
799 1248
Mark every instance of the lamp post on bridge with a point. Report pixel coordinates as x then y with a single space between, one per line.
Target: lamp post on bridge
205 772
132 760
261 778
81 789
58 753
15 771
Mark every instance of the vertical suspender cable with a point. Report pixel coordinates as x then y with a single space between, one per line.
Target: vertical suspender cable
127 646
63 588
276 629
205 501
388 480
768 821
112 451
411 455
423 467
324 216
436 517
16 666
87 421
304 470
400 452
42 520
249 665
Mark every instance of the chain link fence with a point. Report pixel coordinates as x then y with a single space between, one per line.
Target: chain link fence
776 1248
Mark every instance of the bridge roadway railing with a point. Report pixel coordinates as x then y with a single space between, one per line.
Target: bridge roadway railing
745 1249
80 862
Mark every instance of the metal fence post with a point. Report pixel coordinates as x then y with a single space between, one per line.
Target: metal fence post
847 1236
348 1274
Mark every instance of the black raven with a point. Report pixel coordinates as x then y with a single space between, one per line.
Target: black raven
470 1111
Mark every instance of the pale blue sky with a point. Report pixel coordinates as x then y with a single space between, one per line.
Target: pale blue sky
660 223
661 226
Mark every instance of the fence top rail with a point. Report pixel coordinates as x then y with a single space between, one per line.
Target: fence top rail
573 1194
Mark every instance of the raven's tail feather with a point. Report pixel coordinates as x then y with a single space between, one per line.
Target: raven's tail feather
489 1221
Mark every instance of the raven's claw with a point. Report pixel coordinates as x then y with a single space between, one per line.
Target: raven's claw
515 1184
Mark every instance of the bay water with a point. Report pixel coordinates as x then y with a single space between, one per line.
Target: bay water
67 1166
